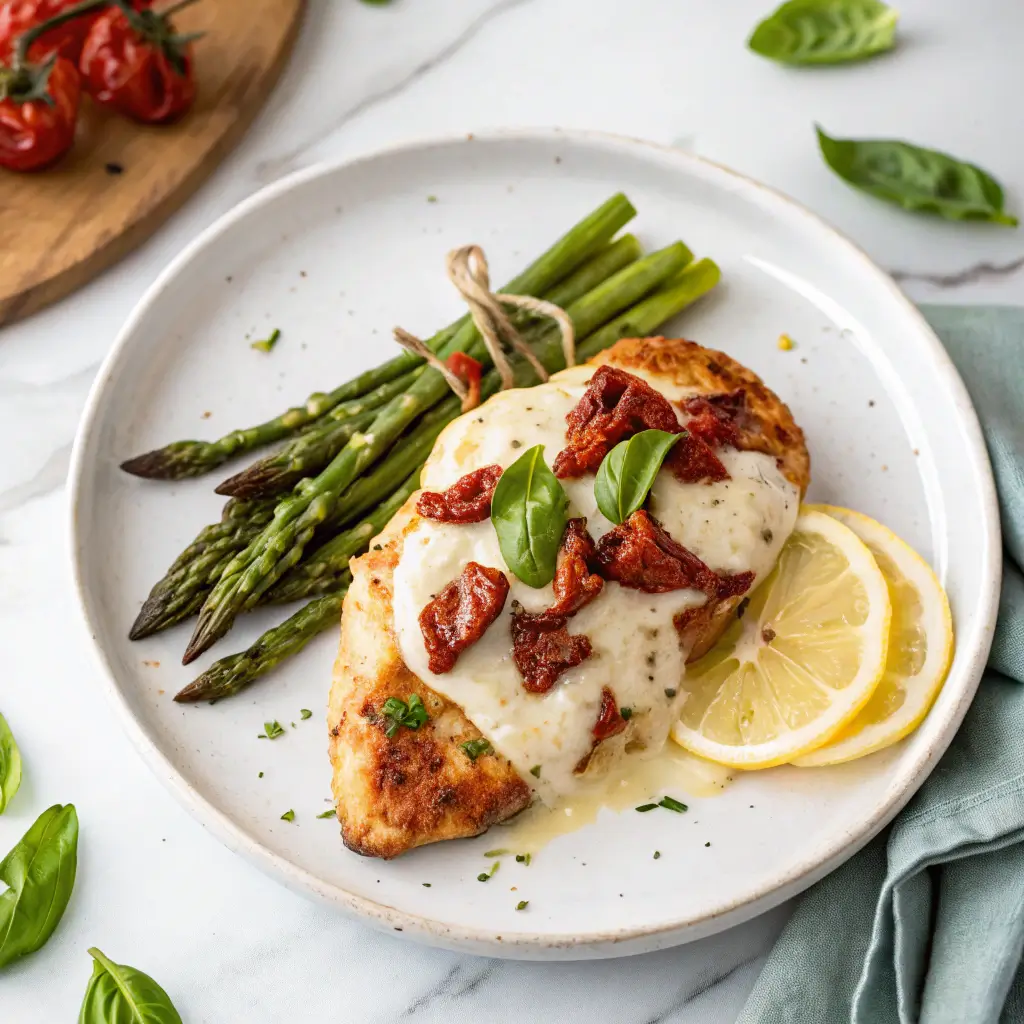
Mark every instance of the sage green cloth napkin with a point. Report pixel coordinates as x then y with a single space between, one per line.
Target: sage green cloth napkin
926 924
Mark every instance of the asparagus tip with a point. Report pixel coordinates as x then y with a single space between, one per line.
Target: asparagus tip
154 465
254 481
193 693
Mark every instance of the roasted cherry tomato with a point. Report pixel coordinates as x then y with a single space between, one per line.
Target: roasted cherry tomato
66 39
136 64
38 113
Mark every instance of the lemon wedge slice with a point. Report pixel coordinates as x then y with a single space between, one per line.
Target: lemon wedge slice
920 647
803 659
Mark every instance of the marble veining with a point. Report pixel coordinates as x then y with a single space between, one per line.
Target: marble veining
154 888
983 270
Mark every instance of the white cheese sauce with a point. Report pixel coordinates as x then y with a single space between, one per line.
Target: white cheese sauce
734 526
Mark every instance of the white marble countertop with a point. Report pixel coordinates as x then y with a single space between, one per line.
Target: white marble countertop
154 889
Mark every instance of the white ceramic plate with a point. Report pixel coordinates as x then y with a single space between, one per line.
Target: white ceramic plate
336 256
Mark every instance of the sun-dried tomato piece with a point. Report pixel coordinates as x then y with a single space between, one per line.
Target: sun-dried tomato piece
574 584
461 613
609 719
468 500
641 555
543 649
692 461
717 419
616 405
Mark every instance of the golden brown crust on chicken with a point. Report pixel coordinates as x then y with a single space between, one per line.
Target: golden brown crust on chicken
688 364
419 786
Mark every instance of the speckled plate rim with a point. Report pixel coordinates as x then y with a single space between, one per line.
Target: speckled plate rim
524 944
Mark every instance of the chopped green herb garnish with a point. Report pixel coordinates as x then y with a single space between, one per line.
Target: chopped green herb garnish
426 885
474 748
329 813
707 844
485 876
288 816
260 775
672 804
268 343
293 725
627 713
535 771
431 199
412 714
657 854
646 807
522 904
271 731
305 713
524 858
496 853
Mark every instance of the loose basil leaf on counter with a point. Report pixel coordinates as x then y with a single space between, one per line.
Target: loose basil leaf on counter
118 994
10 765
628 471
922 180
529 511
825 31
40 871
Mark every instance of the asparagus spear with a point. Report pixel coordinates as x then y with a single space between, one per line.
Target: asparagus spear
326 571
693 282
281 543
182 459
314 449
237 671
186 583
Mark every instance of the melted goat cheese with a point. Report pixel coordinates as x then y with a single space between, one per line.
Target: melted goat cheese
736 525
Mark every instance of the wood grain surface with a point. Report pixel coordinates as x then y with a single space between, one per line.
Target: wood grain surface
60 227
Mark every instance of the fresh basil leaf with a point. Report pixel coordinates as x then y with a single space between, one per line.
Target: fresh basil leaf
825 31
10 765
40 871
628 471
529 511
118 994
922 180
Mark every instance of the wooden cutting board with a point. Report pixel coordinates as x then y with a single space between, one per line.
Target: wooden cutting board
60 227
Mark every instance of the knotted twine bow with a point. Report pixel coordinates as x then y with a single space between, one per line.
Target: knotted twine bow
468 271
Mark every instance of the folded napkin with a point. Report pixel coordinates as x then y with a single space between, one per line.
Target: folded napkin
926 924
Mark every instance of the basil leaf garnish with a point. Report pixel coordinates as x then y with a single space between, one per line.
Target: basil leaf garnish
529 511
825 31
10 765
922 180
118 994
628 471
40 871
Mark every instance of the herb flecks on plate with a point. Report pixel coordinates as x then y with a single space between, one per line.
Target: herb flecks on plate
268 343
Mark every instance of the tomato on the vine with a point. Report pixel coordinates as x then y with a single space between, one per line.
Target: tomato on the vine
18 16
134 62
38 110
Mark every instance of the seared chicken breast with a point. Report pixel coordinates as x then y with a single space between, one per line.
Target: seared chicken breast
497 734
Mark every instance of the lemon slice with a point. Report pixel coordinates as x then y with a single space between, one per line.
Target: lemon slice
920 647
801 662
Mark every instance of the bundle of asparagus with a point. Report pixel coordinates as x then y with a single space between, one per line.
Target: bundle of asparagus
352 456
